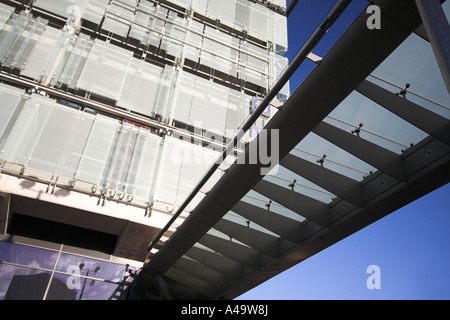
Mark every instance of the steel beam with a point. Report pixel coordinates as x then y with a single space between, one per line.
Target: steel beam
243 255
287 228
424 119
438 31
190 283
258 240
202 272
338 184
161 287
5 204
371 153
218 262
309 208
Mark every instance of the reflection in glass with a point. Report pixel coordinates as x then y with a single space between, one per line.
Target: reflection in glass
81 288
27 256
17 283
83 266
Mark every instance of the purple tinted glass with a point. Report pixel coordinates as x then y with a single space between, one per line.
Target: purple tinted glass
65 287
28 256
83 266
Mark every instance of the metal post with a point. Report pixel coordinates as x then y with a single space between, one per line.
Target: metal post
438 31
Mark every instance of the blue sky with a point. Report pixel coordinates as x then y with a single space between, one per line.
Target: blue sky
411 246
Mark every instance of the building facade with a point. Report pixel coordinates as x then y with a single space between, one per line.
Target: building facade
110 112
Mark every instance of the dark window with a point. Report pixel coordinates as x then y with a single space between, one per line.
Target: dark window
46 230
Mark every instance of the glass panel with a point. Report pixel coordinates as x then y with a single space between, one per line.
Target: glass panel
96 151
228 12
242 14
313 147
140 87
5 14
105 70
198 110
79 284
380 126
285 178
36 66
278 65
200 5
75 63
259 21
71 155
54 140
10 98
91 10
213 9
183 97
252 197
18 38
219 49
195 161
256 77
88 267
132 162
176 30
414 63
116 25
171 160
238 108
17 283
27 256
183 165
23 139
64 287
194 38
216 111
280 33
164 95
142 172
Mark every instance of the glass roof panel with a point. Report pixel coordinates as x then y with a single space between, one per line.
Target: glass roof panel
414 63
285 178
258 200
380 126
313 148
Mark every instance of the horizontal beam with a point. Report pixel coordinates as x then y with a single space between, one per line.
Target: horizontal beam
371 153
287 228
336 183
264 243
424 119
202 272
309 208
218 262
243 255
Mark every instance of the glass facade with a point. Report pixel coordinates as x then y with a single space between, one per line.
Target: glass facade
167 63
125 99
31 273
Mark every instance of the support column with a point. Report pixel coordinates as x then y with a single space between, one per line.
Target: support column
5 199
438 31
